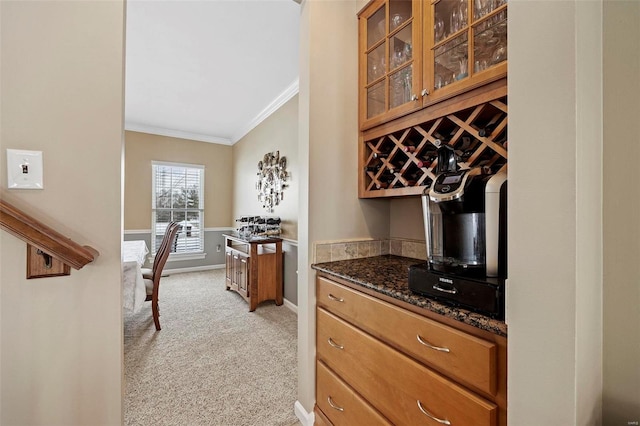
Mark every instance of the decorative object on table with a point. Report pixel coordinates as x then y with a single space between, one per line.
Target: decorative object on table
272 175
258 226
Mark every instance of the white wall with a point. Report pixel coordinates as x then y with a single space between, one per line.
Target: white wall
554 311
62 93
329 204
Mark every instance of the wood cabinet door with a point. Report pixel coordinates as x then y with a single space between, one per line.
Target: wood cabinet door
242 272
390 60
230 271
341 404
465 46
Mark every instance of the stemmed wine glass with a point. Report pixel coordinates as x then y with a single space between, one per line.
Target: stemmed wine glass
438 28
454 22
462 13
499 54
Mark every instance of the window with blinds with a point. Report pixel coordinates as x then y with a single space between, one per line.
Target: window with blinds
178 191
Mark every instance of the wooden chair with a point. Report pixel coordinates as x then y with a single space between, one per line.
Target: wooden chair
152 277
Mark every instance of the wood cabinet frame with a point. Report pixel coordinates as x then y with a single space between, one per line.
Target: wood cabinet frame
423 88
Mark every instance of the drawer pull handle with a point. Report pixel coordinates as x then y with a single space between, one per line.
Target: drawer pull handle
431 416
445 290
334 406
435 348
334 344
337 299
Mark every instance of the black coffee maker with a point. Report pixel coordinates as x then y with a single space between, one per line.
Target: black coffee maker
465 228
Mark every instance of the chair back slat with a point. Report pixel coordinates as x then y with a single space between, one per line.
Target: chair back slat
165 248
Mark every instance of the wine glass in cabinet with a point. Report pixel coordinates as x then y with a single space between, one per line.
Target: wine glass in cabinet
390 60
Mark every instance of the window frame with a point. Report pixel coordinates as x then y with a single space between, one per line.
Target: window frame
185 255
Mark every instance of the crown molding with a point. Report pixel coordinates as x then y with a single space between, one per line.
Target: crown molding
135 127
287 94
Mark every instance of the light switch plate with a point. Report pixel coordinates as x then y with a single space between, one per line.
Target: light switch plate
24 169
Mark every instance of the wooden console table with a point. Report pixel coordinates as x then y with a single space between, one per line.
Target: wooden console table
254 268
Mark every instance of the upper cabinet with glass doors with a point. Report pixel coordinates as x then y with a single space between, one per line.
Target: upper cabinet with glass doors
416 53
390 59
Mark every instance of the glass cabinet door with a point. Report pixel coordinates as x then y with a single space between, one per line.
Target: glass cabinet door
376 63
391 68
401 71
469 37
490 41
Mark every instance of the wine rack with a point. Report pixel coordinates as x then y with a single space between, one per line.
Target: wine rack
404 161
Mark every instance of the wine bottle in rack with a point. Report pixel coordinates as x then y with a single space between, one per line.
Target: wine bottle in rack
409 148
385 180
486 130
426 161
416 175
380 155
396 167
372 168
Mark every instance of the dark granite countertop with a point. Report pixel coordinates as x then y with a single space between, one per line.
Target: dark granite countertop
389 275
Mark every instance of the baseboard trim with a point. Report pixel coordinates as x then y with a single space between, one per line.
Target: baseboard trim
305 418
192 269
291 306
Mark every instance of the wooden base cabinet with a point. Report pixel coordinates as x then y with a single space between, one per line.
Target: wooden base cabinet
378 363
254 269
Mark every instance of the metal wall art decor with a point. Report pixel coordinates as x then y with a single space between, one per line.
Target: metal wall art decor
272 174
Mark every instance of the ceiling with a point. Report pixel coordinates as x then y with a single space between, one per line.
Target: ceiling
208 70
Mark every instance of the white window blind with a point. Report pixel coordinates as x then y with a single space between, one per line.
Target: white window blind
178 191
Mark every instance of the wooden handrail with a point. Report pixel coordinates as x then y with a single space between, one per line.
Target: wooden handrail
44 238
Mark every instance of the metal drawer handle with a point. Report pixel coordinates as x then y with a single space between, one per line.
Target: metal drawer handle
435 348
334 406
445 290
334 344
431 416
337 299
243 260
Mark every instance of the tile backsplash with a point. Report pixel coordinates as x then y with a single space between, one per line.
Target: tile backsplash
330 251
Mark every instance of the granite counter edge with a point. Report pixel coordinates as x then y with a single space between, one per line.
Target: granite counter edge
464 316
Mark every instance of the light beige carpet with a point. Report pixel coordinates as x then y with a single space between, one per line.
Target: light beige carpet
213 362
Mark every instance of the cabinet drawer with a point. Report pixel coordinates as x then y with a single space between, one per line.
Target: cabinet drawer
340 403
453 352
403 390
